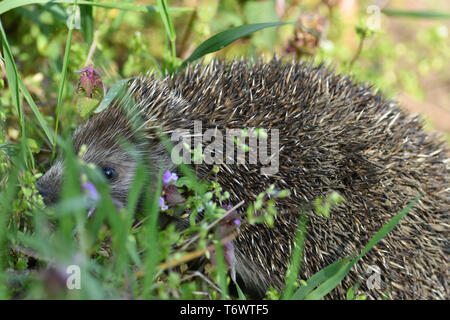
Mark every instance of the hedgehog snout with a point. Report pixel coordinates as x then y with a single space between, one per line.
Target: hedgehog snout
49 184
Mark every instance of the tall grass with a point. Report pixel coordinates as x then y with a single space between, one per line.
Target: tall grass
117 256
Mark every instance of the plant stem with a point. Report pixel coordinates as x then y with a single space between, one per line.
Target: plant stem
358 51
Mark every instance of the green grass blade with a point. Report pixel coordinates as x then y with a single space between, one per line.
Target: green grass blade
221 269
416 14
7 196
16 84
163 10
330 283
63 77
136 188
7 5
241 294
296 258
87 23
36 112
224 38
11 74
70 189
168 25
151 207
319 278
13 82
387 228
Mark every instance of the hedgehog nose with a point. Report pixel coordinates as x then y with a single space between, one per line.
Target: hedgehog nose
45 193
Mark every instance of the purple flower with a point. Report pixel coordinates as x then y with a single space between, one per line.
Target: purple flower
91 191
162 204
231 258
232 214
169 177
170 193
92 196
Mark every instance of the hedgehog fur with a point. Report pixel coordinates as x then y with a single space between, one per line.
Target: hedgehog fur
335 134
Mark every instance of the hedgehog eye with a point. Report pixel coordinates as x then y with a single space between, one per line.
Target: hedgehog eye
110 173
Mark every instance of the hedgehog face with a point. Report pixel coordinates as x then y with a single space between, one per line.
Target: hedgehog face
104 137
113 144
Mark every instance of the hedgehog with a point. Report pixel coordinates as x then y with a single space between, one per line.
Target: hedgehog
334 134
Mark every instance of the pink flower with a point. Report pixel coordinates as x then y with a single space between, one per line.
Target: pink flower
170 193
90 80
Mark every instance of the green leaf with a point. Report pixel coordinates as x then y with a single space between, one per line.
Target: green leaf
111 94
387 228
170 31
350 293
260 12
85 106
87 23
136 188
151 259
36 112
241 294
33 145
330 283
163 11
14 82
224 38
416 14
221 268
12 75
319 278
296 257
